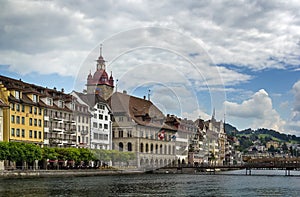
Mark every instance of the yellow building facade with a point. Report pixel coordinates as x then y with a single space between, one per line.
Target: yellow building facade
23 119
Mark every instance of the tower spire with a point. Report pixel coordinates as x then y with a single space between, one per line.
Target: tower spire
101 50
100 60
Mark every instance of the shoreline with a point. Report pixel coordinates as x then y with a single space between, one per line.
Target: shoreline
63 173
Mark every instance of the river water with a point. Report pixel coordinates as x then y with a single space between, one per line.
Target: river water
234 183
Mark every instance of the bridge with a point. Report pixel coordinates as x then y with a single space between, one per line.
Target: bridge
286 164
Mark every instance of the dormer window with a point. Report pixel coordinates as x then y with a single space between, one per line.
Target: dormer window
34 98
60 104
17 94
73 106
49 101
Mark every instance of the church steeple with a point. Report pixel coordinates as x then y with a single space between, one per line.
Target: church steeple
100 83
100 61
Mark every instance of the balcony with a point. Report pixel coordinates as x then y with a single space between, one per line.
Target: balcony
55 141
56 118
57 129
70 131
84 132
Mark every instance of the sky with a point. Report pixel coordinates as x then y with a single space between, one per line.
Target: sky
241 58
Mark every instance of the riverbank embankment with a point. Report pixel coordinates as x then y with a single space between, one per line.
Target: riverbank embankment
62 173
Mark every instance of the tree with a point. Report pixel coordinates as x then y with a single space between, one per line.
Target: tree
4 151
32 152
49 153
284 147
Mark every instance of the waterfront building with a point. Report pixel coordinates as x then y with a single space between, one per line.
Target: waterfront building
99 82
23 120
36 114
60 125
3 106
139 127
198 150
217 128
100 126
82 116
186 131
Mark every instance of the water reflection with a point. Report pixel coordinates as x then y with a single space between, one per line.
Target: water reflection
153 185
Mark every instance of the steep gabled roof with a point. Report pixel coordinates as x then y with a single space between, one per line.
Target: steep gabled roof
142 111
91 99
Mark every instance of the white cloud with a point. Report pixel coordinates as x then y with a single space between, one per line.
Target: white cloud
257 110
257 35
296 91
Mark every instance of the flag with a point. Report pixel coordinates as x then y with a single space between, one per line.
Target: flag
161 135
173 137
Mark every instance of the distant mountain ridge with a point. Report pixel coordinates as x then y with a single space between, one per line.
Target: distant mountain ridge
232 131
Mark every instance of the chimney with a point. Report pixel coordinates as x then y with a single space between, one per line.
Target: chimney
62 90
149 94
124 92
54 88
144 97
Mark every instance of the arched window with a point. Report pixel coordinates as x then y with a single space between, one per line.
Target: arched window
120 146
156 149
129 146
161 149
147 148
151 148
142 148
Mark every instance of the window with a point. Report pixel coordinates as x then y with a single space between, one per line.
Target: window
18 132
40 135
40 111
105 126
78 139
18 107
12 132
12 119
23 108
83 119
23 120
49 101
120 119
23 133
106 118
34 98
35 134
35 110
78 118
95 116
129 146
30 133
45 112
40 122
30 109
12 106
35 122
129 133
95 124
120 133
100 116
100 125
18 120
17 94
60 103
78 130
95 136
30 121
